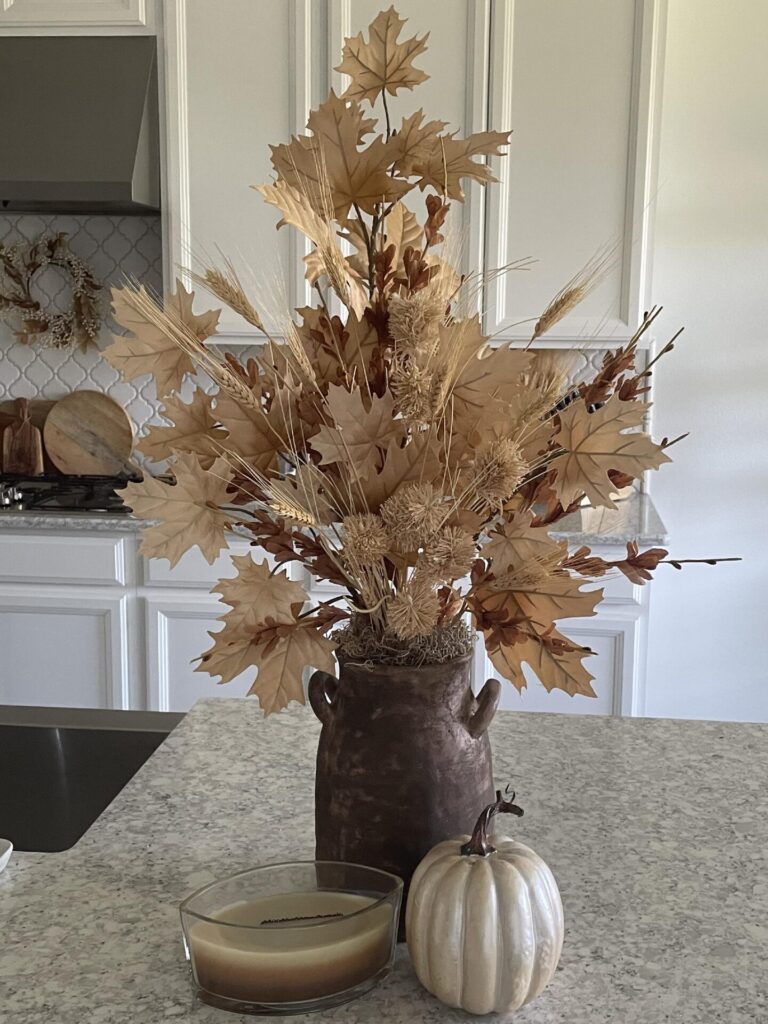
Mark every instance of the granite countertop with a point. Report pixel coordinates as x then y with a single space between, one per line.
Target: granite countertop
67 522
635 518
656 830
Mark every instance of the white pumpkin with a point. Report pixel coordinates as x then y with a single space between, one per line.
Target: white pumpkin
484 920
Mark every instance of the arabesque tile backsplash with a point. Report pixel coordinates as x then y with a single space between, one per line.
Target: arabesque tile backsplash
115 247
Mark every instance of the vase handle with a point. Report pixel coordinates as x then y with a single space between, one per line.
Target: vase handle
487 702
321 691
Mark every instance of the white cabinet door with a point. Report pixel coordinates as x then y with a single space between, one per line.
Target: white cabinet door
578 84
230 74
77 17
64 649
177 634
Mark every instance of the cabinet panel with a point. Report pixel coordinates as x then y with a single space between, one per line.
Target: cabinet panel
63 651
64 558
234 98
577 84
77 15
192 570
177 634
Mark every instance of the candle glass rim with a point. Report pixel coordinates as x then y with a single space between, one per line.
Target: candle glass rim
396 887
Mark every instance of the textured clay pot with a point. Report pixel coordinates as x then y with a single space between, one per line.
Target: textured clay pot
403 763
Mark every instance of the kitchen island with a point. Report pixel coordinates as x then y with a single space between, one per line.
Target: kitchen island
656 830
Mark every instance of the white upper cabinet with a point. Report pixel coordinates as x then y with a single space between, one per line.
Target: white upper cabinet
577 83
229 74
77 17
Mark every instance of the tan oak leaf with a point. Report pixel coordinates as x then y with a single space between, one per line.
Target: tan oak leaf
192 429
281 667
594 443
148 349
250 433
231 654
516 542
561 670
382 63
359 429
450 160
413 142
416 461
330 170
485 379
188 511
256 595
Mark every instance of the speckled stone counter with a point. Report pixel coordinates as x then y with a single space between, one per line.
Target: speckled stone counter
635 518
657 832
66 522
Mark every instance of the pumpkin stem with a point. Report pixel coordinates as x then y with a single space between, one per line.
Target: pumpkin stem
479 844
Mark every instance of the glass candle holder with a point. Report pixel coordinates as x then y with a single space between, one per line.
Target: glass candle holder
292 938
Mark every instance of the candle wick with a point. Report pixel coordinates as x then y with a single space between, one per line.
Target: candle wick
308 917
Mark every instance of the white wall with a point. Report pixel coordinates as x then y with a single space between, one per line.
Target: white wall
708 647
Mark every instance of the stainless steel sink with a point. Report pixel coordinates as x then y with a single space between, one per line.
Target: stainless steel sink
61 767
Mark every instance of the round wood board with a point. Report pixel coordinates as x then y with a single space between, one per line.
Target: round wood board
86 433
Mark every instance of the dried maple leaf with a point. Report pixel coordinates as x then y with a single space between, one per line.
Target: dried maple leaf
516 541
330 170
595 443
450 160
149 350
280 652
413 142
556 663
359 430
417 460
189 510
250 432
381 64
281 667
192 429
486 380
255 594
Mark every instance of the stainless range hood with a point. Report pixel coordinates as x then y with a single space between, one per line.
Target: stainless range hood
79 130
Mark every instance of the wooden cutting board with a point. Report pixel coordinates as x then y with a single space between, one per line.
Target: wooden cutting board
22 444
87 432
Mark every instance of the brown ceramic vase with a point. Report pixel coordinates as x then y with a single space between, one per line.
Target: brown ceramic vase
403 762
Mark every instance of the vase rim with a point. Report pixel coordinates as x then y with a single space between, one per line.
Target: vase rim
382 668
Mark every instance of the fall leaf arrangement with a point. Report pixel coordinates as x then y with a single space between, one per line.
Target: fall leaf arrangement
388 448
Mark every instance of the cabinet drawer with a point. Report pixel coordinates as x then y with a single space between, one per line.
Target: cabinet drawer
62 558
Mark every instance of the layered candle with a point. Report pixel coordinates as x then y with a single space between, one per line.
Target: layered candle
300 936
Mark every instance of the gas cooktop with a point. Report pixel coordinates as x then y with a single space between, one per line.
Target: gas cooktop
57 493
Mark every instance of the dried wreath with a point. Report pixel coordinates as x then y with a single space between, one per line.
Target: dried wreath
19 263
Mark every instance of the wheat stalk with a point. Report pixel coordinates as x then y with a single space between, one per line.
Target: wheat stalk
225 285
575 291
